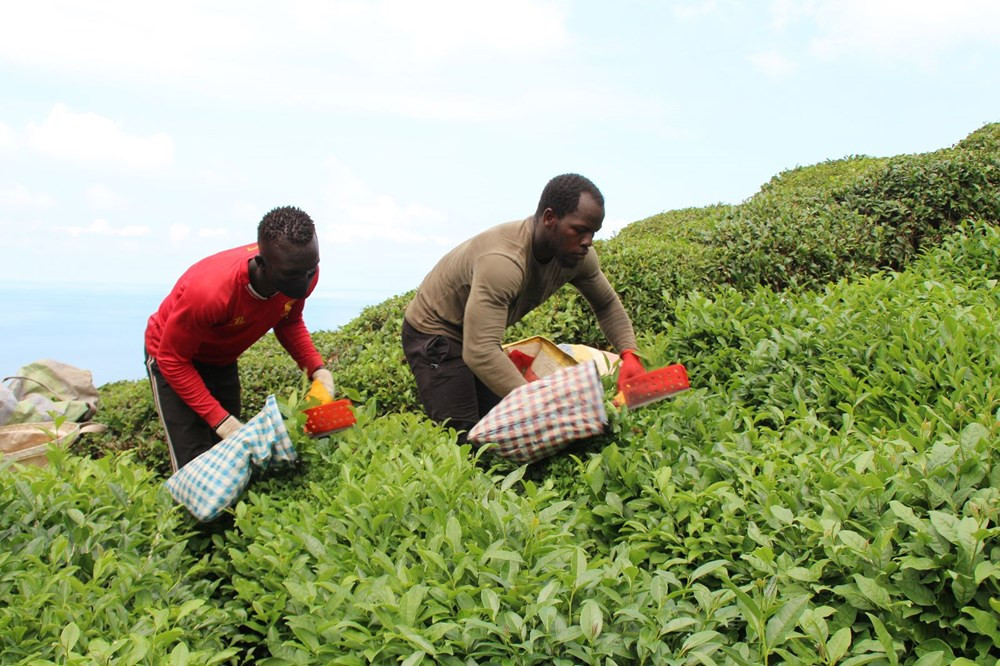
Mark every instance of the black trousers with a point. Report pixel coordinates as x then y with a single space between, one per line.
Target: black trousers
449 391
188 435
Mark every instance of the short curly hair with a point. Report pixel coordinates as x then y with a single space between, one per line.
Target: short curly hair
562 194
286 223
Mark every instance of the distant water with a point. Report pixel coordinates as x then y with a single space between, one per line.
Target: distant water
100 327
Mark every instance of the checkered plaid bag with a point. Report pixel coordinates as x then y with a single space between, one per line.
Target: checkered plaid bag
540 418
214 480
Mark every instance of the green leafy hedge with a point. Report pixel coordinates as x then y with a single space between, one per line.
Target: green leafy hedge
827 493
806 227
862 215
97 568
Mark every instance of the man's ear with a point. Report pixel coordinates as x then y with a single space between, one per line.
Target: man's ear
549 218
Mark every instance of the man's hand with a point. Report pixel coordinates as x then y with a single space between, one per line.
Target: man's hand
630 367
324 377
229 425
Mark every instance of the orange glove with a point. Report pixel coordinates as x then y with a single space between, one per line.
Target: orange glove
630 367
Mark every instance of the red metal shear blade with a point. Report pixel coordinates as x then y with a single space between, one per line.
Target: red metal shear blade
328 418
655 385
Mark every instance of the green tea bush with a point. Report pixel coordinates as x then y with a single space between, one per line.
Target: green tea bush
826 493
97 568
368 356
820 179
870 215
402 550
127 409
809 501
806 227
848 463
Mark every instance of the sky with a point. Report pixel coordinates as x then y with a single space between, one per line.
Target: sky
139 137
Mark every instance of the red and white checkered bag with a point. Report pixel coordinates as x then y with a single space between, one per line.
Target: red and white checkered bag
540 418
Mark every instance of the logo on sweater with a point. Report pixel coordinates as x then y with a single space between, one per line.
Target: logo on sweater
238 321
288 308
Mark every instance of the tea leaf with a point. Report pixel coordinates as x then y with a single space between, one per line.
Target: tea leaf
69 636
414 658
189 607
784 620
706 569
838 645
697 640
591 619
782 514
491 601
873 591
409 604
885 639
931 659
986 570
180 655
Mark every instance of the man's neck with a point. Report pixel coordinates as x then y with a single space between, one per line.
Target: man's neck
258 285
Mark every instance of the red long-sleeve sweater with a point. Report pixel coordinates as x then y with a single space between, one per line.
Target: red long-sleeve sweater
212 316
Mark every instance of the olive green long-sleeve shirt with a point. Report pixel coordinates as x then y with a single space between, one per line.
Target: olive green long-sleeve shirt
492 281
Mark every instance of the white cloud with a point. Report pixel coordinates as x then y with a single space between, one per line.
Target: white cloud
21 197
401 34
73 37
179 233
101 227
358 213
93 139
213 232
690 10
917 31
391 57
772 64
243 48
66 34
102 196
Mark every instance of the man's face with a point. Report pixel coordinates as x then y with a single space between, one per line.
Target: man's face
572 235
290 268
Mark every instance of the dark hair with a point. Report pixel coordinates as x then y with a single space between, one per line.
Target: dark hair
286 223
562 194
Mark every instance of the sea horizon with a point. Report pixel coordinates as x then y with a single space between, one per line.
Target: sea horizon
99 326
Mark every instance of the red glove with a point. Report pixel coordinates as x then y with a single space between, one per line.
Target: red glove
630 367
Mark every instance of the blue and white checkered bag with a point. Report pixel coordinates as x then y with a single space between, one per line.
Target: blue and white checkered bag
542 417
214 480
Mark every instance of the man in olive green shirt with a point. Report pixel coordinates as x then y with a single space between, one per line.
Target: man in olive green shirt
453 329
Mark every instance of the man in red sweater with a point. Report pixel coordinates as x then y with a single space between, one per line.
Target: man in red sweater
218 308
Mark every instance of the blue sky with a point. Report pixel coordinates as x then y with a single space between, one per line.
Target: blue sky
137 137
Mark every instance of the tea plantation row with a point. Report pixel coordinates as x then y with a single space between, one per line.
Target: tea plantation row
827 492
805 228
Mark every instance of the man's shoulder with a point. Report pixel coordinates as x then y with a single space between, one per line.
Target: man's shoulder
218 276
515 229
510 239
230 257
232 261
